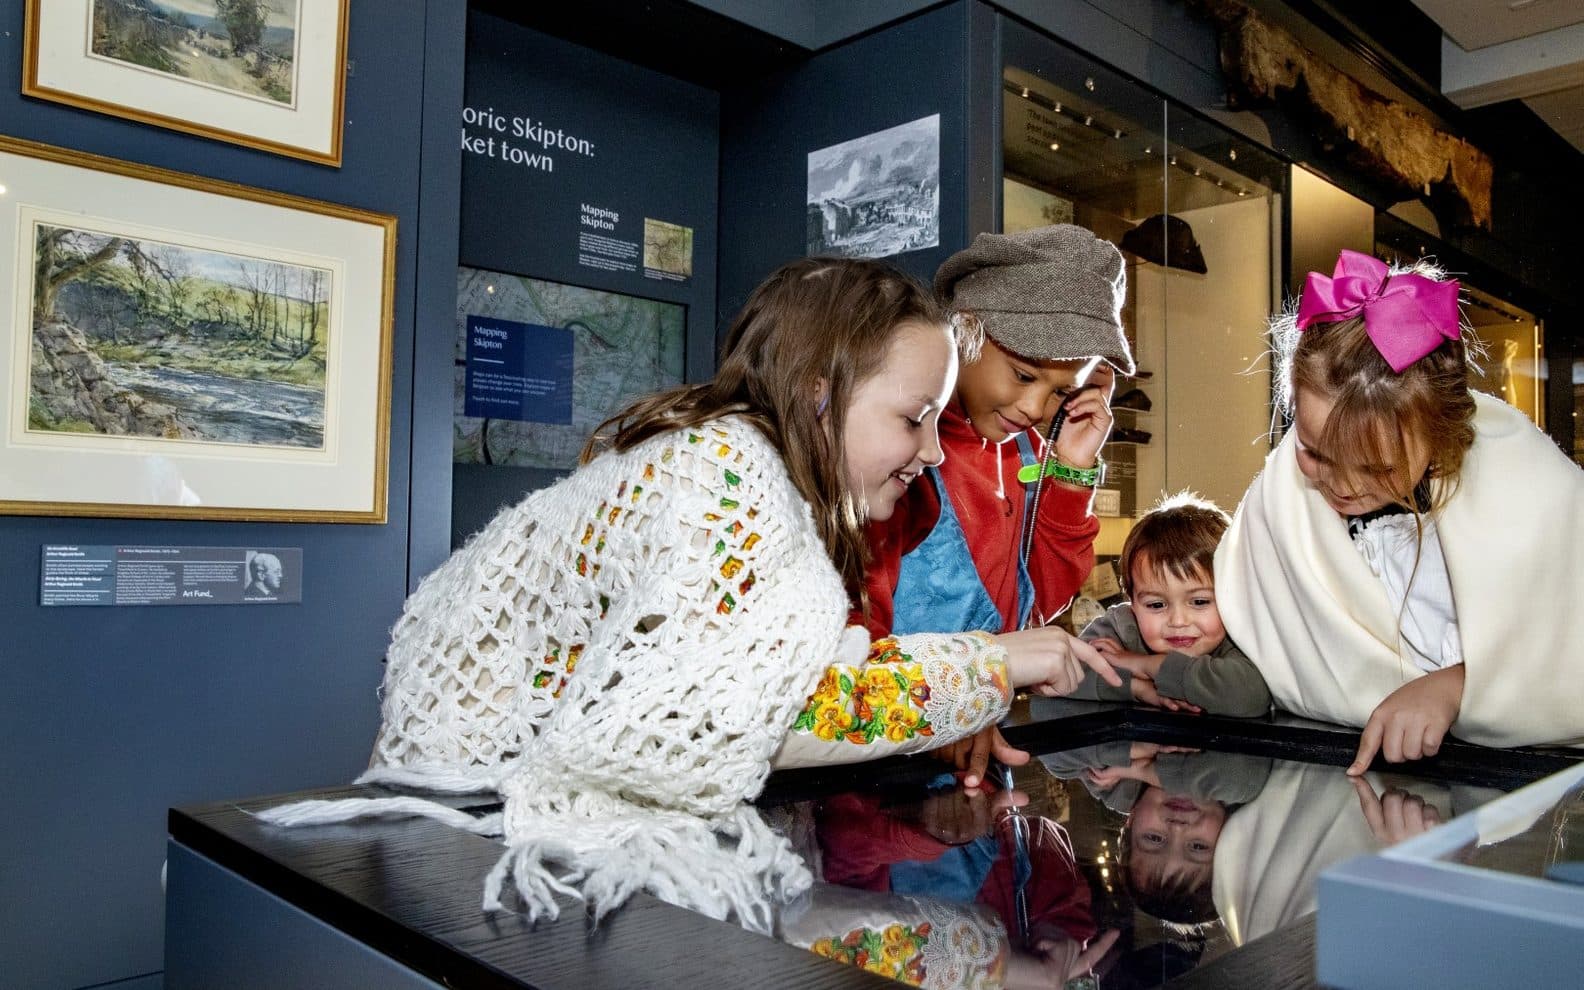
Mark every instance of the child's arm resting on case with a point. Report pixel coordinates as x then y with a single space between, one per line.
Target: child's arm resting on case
1223 684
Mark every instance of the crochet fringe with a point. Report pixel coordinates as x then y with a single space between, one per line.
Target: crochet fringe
432 777
349 809
680 860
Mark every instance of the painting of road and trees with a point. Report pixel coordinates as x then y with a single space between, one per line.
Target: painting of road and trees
141 338
243 46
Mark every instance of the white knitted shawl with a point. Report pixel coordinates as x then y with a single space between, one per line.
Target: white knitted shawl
1301 601
685 582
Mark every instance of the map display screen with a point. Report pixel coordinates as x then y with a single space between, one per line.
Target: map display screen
515 332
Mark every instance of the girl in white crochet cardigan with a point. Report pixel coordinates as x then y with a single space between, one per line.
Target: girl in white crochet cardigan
622 657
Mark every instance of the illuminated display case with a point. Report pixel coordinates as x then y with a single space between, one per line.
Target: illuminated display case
1197 211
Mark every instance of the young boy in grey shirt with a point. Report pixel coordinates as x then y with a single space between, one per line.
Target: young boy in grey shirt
1167 640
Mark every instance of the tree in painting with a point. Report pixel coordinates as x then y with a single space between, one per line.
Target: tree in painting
143 338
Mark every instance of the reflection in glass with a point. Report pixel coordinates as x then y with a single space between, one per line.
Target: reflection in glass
1129 861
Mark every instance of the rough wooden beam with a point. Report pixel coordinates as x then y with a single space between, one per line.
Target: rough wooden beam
1389 140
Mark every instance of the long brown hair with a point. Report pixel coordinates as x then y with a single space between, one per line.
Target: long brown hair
812 320
1375 410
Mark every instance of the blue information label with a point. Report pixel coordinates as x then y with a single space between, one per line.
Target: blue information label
520 371
72 574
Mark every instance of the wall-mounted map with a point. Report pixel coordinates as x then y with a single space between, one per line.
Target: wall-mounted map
621 347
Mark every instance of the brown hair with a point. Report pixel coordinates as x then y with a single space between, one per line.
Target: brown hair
1376 410
1185 902
830 319
1177 537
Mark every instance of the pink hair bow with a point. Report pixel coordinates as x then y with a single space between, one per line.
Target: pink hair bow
1406 316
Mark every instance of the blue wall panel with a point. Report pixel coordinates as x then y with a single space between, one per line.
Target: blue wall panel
110 715
655 153
913 70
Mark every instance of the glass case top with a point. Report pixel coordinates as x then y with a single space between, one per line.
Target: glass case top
1129 863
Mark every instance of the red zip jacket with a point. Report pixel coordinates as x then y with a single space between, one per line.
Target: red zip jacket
991 513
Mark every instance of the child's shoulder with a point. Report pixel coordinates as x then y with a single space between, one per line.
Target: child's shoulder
1118 622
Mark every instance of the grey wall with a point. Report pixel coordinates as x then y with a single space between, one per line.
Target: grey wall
815 23
110 715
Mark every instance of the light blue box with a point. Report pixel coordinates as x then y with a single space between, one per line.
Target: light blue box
1412 916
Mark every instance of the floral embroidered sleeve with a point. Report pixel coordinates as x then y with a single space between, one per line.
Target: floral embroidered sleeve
915 941
911 693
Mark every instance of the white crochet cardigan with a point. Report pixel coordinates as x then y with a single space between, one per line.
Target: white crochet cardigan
684 582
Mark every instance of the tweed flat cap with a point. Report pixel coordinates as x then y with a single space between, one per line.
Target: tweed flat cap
1052 293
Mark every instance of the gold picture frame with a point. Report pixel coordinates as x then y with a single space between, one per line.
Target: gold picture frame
269 74
183 348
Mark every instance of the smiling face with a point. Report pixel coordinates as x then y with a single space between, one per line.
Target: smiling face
1004 394
1350 480
1174 613
1172 839
889 436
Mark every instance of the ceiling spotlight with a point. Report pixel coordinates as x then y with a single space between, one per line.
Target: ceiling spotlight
1196 173
1117 133
1088 120
1232 154
1173 159
1056 106
1148 150
1025 92
1089 83
1242 192
1055 146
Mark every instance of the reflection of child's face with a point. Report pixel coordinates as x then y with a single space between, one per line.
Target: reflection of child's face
1174 613
1172 839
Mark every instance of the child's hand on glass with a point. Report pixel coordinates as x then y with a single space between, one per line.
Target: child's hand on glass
1145 693
1412 721
973 754
1088 422
1050 661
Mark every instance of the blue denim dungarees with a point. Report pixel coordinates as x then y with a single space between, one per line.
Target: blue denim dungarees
938 587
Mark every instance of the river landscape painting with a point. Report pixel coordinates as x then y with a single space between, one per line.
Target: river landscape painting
140 338
247 47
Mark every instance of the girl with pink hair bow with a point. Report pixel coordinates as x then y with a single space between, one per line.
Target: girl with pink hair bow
1409 557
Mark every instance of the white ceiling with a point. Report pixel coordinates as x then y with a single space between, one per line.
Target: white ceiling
1493 51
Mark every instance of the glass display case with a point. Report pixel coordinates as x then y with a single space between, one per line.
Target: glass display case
1125 863
1512 366
1198 214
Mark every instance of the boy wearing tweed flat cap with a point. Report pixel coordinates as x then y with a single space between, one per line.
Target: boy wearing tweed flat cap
948 559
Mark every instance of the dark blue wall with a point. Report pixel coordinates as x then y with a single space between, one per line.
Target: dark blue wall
916 69
110 715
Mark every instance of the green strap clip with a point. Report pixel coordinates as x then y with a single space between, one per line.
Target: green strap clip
1086 477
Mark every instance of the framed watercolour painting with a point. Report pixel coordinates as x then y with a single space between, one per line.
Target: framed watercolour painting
184 348
269 74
